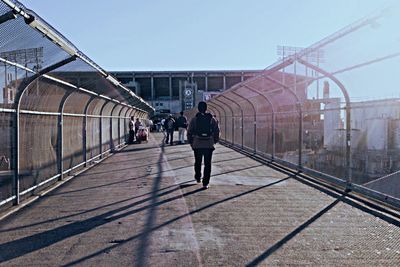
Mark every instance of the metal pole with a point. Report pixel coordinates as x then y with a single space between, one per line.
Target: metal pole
225 126
170 92
112 146
152 87
348 114
101 128
211 107
254 122
61 133
16 188
233 119
273 135
206 82
300 118
242 130
84 130
301 139
231 110
120 126
255 133
20 93
300 110
263 96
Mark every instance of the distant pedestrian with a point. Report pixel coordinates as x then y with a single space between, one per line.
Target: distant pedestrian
203 134
182 124
158 126
138 123
131 126
162 126
169 125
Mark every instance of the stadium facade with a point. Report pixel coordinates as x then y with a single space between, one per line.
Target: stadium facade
173 91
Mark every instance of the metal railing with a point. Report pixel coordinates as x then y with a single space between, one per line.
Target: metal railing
59 111
282 115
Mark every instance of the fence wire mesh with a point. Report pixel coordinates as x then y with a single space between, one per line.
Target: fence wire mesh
59 111
331 109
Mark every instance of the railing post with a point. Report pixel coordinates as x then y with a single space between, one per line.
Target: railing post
84 130
17 162
242 126
232 113
60 146
225 126
101 129
20 92
348 113
112 146
233 117
84 140
60 154
255 133
119 126
300 139
273 135
233 130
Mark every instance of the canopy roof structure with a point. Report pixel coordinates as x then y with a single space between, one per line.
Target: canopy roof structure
32 47
299 111
59 111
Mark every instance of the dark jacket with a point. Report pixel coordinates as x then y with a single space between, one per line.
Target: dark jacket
131 125
201 142
181 122
167 122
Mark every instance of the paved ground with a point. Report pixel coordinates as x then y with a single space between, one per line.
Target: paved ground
141 207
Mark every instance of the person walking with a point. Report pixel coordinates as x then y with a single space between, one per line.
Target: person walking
162 125
131 131
181 122
169 125
137 125
203 134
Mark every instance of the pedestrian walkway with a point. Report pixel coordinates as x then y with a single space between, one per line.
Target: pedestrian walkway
141 207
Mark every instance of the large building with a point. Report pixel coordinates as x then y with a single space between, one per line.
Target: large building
173 91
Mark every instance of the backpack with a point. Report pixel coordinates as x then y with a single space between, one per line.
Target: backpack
203 125
170 124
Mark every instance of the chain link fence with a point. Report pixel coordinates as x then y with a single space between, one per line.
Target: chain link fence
330 110
59 111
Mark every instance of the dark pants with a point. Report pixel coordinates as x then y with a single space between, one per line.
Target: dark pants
199 153
131 136
170 137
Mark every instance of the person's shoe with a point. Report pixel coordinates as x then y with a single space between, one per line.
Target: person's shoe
198 180
205 186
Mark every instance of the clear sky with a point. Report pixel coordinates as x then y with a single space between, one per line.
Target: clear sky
195 34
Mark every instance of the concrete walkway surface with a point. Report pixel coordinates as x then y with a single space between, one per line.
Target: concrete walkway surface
141 207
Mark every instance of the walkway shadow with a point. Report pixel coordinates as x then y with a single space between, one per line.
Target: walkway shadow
20 247
292 234
130 148
339 198
154 228
130 167
175 188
